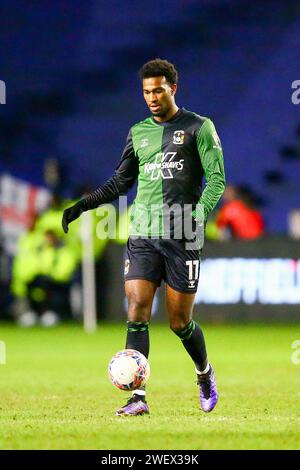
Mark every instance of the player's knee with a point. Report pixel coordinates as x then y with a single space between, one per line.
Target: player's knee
138 309
178 325
184 330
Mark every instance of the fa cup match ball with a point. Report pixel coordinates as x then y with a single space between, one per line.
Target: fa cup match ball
128 369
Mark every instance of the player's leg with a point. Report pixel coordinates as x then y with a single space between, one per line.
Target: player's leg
143 272
179 308
180 312
140 294
182 269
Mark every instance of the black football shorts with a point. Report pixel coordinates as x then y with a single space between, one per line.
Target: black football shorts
167 259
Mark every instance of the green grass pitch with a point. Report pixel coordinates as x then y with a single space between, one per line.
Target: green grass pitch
55 393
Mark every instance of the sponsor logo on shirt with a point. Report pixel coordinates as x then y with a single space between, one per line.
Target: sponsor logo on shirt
163 166
178 137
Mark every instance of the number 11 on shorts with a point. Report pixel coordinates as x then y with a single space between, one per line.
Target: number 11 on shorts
193 266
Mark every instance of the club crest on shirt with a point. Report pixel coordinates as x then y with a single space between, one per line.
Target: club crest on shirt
144 143
178 137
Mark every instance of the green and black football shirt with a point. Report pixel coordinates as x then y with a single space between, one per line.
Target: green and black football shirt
169 159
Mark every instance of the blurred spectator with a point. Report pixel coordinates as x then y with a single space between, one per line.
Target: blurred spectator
46 265
4 282
239 218
53 174
212 231
42 273
294 224
26 263
51 220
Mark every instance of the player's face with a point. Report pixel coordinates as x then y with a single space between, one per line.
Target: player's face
159 95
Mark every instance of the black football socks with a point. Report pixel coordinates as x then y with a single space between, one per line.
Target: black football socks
138 337
193 340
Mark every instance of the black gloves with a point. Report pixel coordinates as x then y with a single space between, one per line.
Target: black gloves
70 214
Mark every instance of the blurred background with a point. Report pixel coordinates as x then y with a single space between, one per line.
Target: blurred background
72 93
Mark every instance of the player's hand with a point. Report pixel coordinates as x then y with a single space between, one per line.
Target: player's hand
70 214
199 214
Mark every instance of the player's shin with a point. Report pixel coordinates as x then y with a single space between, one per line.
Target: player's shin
138 339
193 340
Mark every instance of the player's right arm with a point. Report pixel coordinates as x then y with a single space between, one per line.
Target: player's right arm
211 155
122 180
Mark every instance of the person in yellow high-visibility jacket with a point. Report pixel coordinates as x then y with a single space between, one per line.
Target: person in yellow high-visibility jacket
42 272
26 262
49 292
51 220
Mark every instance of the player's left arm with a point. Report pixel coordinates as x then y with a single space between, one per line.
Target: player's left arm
211 155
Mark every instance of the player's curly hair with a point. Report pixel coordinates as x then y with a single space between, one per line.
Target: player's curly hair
157 68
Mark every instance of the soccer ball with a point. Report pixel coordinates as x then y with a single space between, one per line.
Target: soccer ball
128 369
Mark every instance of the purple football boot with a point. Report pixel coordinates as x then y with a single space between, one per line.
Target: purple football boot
134 407
208 390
